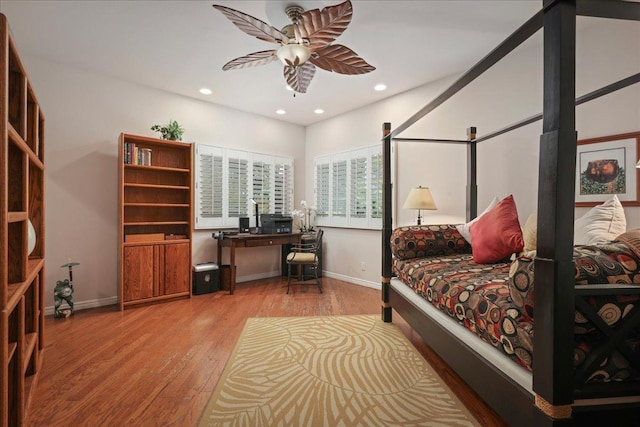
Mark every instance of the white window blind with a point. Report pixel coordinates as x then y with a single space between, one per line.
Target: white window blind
262 182
376 185
358 187
339 178
209 166
283 186
227 179
238 184
322 189
348 188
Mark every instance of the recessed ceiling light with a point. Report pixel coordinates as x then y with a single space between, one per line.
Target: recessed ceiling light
289 88
380 87
205 91
318 111
281 112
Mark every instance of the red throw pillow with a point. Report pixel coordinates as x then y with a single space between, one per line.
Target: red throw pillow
498 233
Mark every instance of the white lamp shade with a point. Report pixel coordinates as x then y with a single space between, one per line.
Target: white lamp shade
420 198
289 52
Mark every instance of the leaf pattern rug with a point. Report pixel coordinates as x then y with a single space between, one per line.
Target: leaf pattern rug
329 371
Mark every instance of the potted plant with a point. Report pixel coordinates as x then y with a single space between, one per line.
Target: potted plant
305 217
172 130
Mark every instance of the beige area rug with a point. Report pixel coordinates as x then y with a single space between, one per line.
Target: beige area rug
329 371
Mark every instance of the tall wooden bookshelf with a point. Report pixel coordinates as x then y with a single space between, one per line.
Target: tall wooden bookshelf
155 225
21 202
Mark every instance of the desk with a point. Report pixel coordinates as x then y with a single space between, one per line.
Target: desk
251 241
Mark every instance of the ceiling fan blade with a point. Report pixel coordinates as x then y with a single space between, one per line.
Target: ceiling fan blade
340 59
252 26
323 27
298 78
256 58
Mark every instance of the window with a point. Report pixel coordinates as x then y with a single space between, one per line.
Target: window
227 180
377 203
322 189
339 200
348 188
209 190
262 182
283 186
237 184
358 185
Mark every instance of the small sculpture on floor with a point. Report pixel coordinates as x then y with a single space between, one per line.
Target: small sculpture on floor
64 292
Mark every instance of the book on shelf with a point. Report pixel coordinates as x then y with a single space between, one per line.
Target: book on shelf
144 156
134 155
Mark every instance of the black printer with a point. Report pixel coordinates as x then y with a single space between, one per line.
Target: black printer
276 223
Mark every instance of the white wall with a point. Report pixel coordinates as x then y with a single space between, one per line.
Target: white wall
85 114
510 91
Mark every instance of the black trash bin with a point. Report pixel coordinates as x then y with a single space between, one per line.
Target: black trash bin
206 278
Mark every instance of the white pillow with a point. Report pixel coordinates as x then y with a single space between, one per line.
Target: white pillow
530 232
600 224
464 229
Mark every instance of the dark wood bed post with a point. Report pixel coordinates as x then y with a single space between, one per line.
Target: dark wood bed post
554 267
472 182
387 220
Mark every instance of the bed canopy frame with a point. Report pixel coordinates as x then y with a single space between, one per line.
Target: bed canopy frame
557 399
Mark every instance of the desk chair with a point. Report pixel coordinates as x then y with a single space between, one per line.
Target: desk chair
305 254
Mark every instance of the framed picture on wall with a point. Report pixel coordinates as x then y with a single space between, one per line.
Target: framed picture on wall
607 166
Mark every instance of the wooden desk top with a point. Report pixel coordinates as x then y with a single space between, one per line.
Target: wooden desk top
249 240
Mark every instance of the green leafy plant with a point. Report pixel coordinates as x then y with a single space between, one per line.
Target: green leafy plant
172 130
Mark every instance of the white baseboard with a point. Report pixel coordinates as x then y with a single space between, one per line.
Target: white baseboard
353 280
81 305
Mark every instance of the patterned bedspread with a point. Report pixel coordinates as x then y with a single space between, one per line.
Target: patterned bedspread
498 306
477 296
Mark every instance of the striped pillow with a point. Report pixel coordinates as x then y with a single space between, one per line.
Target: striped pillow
632 240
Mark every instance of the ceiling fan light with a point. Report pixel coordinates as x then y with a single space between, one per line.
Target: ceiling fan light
289 52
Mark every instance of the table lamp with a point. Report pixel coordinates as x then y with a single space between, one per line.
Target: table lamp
420 198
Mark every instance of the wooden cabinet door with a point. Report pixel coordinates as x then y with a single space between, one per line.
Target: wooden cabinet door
138 264
177 269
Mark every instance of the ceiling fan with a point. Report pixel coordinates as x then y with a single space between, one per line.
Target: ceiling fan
304 45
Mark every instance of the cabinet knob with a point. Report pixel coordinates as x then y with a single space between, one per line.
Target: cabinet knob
271 242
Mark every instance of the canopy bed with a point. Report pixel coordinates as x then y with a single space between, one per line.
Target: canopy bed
553 391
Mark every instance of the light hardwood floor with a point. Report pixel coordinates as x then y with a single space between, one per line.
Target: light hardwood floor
157 365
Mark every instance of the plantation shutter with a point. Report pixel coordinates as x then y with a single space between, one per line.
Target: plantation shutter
376 184
339 181
322 189
348 188
209 185
238 184
283 186
261 182
358 187
226 180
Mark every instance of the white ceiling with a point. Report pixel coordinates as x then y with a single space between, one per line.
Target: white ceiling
181 46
